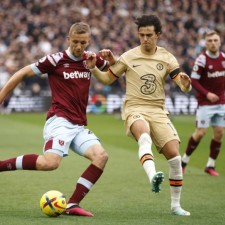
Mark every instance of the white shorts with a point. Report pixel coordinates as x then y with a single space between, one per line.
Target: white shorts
60 135
211 115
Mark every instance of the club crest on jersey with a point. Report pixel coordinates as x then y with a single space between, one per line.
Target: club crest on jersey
136 116
61 142
85 64
202 121
159 66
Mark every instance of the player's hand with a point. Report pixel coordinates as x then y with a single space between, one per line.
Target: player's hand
212 97
185 79
90 59
107 55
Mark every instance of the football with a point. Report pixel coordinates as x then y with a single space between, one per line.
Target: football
53 203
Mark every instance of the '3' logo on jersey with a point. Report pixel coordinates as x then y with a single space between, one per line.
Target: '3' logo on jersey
149 87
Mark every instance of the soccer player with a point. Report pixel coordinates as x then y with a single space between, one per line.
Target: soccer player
208 78
146 68
69 80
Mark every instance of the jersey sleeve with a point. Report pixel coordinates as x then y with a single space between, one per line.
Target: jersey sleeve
173 66
47 64
118 68
198 67
101 63
198 86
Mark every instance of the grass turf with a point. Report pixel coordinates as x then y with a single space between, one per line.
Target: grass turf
123 195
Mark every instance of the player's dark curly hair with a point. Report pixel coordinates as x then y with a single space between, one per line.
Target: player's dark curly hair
149 20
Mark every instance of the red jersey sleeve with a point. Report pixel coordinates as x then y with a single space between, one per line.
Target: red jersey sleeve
48 63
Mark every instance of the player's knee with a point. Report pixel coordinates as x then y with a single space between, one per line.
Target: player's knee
218 135
100 159
199 134
52 166
105 156
47 164
102 156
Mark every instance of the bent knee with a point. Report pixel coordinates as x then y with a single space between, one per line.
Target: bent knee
46 163
199 134
218 134
104 156
98 156
52 166
47 166
100 159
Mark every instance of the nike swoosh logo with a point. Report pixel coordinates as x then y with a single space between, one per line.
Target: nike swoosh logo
135 65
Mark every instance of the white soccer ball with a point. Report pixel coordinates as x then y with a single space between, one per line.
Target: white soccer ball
53 203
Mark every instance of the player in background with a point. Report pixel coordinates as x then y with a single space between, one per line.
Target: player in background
208 78
146 68
69 80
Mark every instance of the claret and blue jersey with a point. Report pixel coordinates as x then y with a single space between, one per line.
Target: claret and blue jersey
69 80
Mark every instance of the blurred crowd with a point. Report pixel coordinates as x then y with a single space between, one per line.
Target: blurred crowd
31 29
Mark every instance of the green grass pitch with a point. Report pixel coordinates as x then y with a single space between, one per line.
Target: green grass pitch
123 195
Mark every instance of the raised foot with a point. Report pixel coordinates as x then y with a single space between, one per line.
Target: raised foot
156 182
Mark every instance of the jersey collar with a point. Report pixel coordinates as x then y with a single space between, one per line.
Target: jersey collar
72 56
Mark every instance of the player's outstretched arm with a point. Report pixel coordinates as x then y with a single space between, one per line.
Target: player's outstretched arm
103 77
183 81
14 81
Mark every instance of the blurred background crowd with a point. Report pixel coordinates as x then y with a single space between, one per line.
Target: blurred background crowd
31 29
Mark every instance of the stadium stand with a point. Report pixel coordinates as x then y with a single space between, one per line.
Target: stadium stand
32 29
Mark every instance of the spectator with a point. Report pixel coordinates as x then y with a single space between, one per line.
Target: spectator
29 23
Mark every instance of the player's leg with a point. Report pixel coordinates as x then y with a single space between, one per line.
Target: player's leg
53 152
45 162
192 145
86 144
23 162
218 125
203 120
166 139
138 127
171 152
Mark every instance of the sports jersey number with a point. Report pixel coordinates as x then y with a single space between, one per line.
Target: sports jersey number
149 87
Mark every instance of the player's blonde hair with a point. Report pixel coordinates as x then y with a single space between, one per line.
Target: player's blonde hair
210 33
80 28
